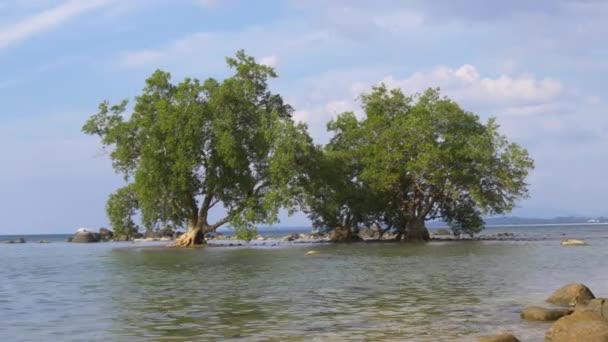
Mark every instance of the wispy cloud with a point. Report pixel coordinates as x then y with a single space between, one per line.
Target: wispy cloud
46 20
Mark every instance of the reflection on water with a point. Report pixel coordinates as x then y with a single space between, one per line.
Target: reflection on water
351 292
360 292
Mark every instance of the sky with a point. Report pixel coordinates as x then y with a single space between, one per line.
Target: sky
539 67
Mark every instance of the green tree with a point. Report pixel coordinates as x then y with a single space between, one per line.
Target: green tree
335 197
121 208
195 146
426 158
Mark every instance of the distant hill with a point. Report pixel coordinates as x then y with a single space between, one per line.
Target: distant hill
514 220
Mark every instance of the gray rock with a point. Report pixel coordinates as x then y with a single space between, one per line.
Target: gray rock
105 234
86 237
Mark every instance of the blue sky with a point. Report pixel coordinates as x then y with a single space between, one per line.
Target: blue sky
538 66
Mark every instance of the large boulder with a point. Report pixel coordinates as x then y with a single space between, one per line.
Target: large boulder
581 326
105 234
571 294
369 233
537 313
86 236
598 305
505 337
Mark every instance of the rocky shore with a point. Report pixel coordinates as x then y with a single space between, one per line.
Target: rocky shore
577 314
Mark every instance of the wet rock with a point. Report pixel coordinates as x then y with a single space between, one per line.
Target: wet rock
573 242
581 326
505 337
571 294
43 241
86 237
597 305
537 313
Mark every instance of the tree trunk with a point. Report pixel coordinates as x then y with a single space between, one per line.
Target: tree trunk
416 231
343 234
193 237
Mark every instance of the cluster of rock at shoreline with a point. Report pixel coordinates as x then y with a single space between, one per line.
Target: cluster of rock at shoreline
579 316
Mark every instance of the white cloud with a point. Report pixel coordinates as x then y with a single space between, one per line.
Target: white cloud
466 84
270 61
46 20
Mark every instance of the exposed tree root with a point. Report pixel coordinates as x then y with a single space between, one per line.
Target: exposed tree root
193 237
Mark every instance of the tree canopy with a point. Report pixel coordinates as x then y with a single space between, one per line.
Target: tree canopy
416 158
189 147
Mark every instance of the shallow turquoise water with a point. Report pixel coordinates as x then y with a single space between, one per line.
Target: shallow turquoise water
441 291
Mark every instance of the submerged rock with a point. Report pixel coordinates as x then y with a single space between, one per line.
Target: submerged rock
505 337
20 240
581 326
537 313
573 242
571 294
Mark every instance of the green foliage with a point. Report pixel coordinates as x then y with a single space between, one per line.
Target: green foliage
245 233
190 146
414 158
120 208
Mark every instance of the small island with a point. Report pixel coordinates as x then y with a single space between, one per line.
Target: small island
190 148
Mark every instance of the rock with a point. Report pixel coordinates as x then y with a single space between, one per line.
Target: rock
19 240
581 326
597 305
291 237
165 238
260 238
442 232
505 337
573 242
369 233
43 241
303 236
68 240
537 313
105 234
85 237
571 294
